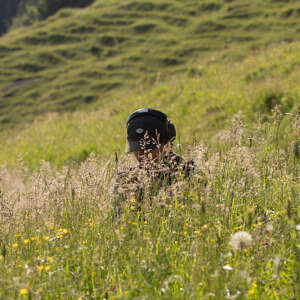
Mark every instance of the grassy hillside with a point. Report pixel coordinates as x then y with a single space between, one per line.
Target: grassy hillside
87 58
61 238
199 104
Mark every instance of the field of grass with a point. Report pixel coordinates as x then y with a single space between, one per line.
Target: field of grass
200 105
80 59
239 122
60 238
231 230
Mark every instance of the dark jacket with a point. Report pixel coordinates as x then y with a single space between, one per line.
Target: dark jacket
132 186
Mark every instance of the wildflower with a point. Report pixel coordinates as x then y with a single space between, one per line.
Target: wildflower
227 267
46 238
298 227
18 235
33 238
49 258
170 205
240 240
84 242
24 291
132 200
185 233
251 292
132 207
41 267
145 222
167 249
47 268
259 223
26 241
269 228
254 285
15 245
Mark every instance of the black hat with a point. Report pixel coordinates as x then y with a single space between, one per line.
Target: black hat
147 129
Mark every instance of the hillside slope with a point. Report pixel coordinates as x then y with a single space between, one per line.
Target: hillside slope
199 105
86 58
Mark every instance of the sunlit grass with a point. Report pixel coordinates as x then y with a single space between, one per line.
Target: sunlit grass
60 238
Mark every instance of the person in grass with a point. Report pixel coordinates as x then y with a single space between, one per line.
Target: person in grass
149 137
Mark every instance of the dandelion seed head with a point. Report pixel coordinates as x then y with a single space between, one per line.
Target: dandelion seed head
240 240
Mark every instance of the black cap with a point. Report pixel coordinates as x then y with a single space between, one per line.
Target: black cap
146 130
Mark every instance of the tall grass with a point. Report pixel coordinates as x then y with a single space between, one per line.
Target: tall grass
60 239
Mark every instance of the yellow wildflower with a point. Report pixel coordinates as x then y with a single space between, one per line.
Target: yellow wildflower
33 238
167 249
84 242
26 241
18 235
132 207
24 291
145 222
15 245
47 268
132 200
65 231
49 258
251 292
41 267
46 238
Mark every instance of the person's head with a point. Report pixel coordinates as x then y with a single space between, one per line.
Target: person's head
148 133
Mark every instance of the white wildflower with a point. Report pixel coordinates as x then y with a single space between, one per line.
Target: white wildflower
298 227
269 228
240 240
227 268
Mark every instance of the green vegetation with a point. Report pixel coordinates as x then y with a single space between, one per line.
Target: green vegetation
79 74
86 58
60 241
199 105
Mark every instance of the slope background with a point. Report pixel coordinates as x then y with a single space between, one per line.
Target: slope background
80 73
86 58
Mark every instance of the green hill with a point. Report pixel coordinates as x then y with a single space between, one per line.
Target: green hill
87 58
200 106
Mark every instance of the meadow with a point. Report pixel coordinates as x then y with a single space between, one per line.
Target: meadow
60 238
231 230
